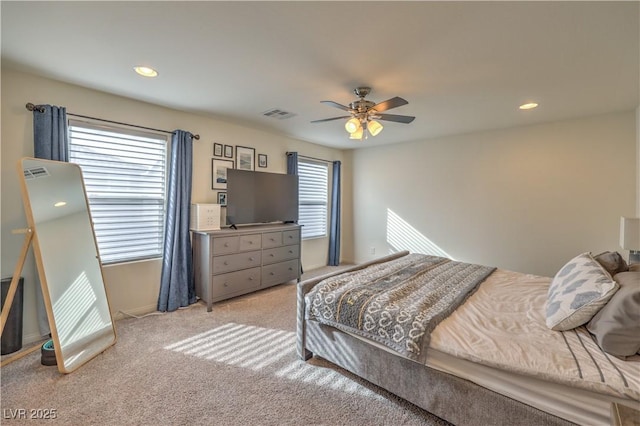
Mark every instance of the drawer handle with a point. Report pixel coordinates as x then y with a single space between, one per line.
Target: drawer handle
250 278
250 242
291 269
226 244
271 254
225 285
271 239
226 263
271 273
251 259
291 251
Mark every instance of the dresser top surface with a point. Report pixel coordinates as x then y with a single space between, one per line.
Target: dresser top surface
251 229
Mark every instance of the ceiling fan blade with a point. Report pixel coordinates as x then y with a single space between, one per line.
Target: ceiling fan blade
331 119
397 118
390 103
336 105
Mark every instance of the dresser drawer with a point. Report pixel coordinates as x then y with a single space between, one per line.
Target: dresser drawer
226 245
233 262
235 282
272 239
290 237
250 242
279 273
278 254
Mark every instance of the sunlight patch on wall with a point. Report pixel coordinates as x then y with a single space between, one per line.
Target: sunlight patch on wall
264 349
402 236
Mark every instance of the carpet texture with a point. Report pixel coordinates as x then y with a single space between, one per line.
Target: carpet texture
235 365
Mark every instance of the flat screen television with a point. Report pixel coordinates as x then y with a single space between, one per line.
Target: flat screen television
261 197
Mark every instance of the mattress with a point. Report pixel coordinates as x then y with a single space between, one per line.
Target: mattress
576 405
502 325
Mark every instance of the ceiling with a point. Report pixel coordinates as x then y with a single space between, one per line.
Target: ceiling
463 66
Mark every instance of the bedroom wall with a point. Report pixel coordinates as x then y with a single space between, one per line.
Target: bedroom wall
133 287
638 161
525 199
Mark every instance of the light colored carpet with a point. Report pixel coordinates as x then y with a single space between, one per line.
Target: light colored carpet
234 366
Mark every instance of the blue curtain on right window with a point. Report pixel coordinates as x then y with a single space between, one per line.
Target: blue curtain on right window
334 226
292 169
292 163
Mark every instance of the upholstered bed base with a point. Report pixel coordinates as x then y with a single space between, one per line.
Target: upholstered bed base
456 400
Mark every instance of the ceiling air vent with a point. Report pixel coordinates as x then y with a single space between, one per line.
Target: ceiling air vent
35 172
278 113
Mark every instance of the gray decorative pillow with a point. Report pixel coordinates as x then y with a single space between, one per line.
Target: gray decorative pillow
612 262
577 292
617 326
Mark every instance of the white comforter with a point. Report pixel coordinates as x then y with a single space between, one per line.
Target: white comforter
517 339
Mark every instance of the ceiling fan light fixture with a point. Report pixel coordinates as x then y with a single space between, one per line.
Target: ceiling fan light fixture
374 127
352 125
357 134
363 117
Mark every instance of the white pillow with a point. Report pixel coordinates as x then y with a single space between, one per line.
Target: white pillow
577 292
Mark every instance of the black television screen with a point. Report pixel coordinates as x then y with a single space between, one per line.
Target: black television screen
261 197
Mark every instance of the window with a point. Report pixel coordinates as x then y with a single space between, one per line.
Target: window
313 194
124 175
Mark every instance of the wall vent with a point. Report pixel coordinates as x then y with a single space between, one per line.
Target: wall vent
278 113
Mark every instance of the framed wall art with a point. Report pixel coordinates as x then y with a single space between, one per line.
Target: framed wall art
245 158
228 151
222 198
219 173
217 149
262 160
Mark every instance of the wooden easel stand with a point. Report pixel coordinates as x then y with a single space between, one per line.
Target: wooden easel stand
13 287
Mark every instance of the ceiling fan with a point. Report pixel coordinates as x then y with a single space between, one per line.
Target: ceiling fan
363 114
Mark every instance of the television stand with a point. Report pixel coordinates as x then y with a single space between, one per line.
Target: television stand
229 263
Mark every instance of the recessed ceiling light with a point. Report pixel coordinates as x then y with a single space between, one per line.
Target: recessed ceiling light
146 71
530 105
60 204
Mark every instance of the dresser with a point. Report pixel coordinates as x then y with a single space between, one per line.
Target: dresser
229 262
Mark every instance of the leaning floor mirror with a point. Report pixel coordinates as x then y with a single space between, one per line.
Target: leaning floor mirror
67 260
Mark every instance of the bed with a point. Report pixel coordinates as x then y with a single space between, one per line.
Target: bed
488 355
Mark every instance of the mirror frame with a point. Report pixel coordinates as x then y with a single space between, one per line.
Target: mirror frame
95 350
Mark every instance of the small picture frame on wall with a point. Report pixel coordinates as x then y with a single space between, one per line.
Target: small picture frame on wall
217 149
228 151
219 173
262 160
245 158
222 199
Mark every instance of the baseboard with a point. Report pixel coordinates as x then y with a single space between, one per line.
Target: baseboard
312 267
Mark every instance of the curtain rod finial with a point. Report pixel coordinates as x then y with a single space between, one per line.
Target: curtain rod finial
32 107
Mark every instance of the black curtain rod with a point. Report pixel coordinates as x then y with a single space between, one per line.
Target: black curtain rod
312 158
40 108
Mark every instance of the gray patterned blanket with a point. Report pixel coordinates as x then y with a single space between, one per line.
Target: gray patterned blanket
396 303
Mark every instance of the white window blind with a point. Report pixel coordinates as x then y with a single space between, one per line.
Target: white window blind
124 173
313 195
